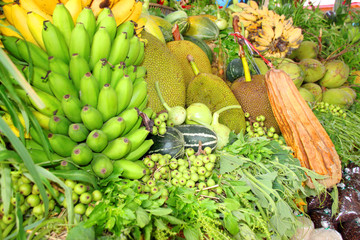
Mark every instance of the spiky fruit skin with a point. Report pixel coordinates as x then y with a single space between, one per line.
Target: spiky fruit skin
212 91
162 66
183 48
253 98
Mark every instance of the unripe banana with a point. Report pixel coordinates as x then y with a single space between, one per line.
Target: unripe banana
61 85
119 49
97 140
87 17
136 126
80 42
117 148
32 144
100 47
148 111
78 67
102 72
63 21
143 105
124 90
131 71
131 170
54 41
128 27
39 79
42 119
138 80
82 154
140 71
130 117
117 73
38 56
140 151
101 165
113 127
72 108
59 124
9 43
35 22
139 94
89 90
58 66
134 51
109 23
40 138
104 12
61 144
78 132
141 55
107 102
137 137
91 118
40 158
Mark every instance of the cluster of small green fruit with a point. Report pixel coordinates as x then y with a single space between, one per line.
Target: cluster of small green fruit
256 128
161 121
192 171
329 108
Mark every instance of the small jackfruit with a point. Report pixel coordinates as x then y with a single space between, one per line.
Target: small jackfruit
162 66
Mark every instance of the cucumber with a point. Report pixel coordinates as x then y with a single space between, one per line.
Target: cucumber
131 170
172 142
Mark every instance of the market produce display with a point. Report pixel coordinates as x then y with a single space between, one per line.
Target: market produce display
138 119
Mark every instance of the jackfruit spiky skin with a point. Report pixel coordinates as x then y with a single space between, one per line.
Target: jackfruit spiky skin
212 91
162 66
253 98
183 48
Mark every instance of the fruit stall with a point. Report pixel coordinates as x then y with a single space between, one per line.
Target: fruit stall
189 119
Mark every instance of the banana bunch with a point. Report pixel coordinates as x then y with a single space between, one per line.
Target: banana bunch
267 31
89 78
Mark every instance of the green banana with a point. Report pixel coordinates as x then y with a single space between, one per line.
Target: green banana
91 117
100 47
141 55
36 136
32 144
136 126
101 165
9 43
113 127
130 117
107 102
37 56
139 94
97 140
89 90
80 41
137 137
82 154
78 132
131 71
109 23
63 21
134 51
61 144
102 72
124 90
59 124
66 165
39 79
131 170
143 105
61 85
138 80
105 12
78 67
128 27
58 66
119 49
88 18
54 42
140 71
148 111
140 151
117 148
40 158
72 108
117 73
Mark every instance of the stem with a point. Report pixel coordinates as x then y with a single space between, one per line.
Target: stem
193 65
157 88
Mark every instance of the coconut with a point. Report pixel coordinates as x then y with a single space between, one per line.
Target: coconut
307 49
315 89
351 91
307 95
338 97
294 71
314 70
337 72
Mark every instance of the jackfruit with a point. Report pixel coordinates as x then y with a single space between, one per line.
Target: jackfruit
162 66
212 91
183 48
253 98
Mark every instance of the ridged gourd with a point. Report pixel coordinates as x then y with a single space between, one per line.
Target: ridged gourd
162 66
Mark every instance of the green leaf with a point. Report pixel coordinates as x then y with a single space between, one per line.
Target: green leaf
142 217
6 188
231 224
231 204
129 214
173 220
80 232
7 154
229 163
160 211
160 224
192 233
19 219
77 175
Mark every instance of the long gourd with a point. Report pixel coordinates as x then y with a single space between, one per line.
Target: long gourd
301 129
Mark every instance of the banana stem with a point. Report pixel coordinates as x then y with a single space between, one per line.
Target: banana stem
193 65
157 88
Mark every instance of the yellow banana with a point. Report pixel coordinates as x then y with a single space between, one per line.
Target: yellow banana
7 11
262 41
279 28
42 119
243 5
135 15
98 5
35 23
4 30
248 16
122 10
85 3
74 7
296 38
47 6
19 18
253 4
151 27
31 6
